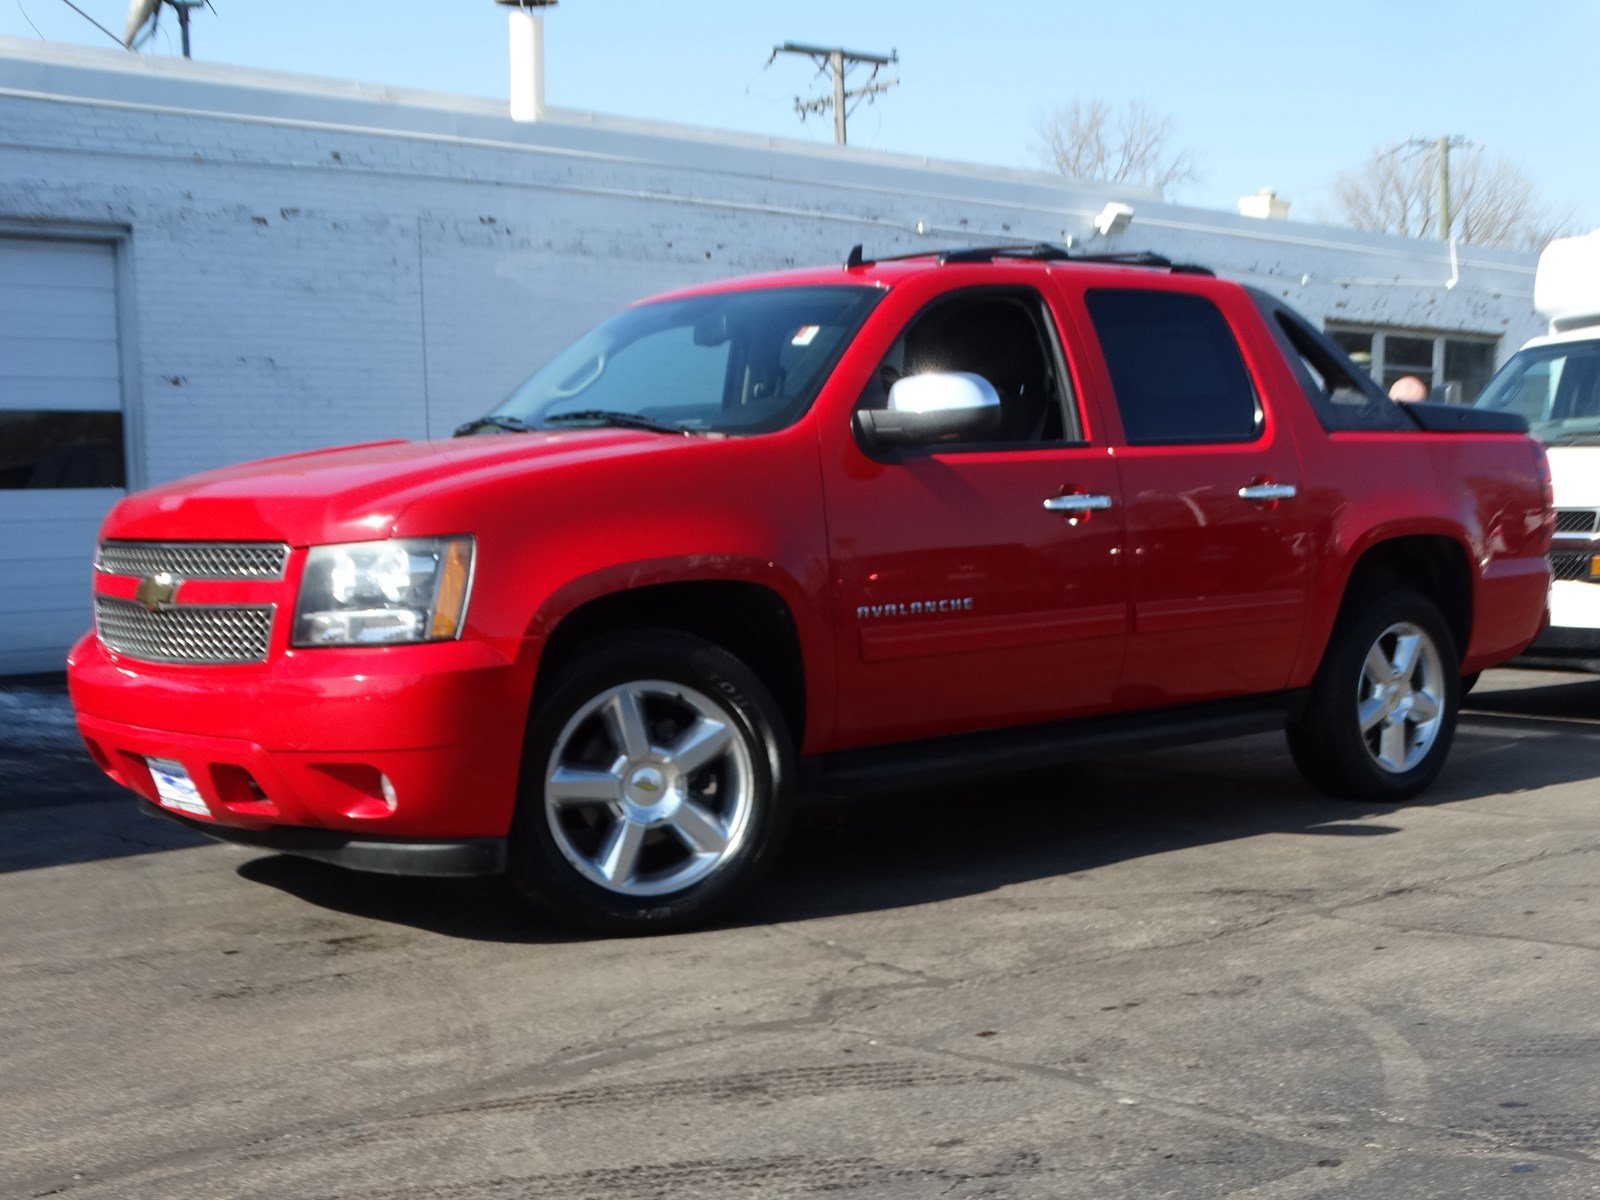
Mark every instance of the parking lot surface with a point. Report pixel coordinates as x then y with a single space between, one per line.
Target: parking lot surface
1179 975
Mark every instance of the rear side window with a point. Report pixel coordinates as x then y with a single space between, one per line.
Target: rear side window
1175 368
1343 396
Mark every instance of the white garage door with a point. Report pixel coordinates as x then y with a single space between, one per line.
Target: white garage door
62 459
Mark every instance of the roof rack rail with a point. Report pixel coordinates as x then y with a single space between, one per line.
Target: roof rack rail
1146 258
1035 252
1129 258
1039 252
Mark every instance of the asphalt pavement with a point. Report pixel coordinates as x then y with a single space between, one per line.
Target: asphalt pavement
1175 975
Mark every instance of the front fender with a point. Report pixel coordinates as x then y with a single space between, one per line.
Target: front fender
746 510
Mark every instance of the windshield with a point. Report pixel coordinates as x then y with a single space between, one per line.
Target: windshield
1555 388
729 362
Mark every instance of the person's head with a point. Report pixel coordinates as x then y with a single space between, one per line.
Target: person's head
1408 389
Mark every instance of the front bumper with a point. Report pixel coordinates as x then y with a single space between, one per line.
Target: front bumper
383 856
418 743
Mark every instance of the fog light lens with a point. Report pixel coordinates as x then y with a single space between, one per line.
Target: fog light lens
386 786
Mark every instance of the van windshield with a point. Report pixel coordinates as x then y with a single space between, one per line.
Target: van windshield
729 362
1555 388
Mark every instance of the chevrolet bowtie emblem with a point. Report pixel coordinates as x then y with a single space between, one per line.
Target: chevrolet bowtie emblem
647 785
157 592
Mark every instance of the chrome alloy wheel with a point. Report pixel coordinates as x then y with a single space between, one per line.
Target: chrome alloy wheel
650 788
1400 700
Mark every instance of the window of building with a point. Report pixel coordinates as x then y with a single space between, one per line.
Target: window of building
61 420
1175 368
60 449
1454 367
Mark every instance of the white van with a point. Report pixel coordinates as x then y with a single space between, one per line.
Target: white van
1554 382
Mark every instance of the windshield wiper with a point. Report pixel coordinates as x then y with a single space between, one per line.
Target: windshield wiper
622 420
493 421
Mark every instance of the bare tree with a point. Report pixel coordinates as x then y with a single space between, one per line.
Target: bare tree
1492 202
1089 139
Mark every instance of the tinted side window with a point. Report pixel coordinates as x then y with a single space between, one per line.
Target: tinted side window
1175 367
1004 335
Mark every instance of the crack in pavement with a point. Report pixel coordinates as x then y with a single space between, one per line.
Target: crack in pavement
1435 931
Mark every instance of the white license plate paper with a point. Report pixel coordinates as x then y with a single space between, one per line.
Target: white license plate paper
175 787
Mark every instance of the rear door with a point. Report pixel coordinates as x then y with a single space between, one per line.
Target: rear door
1218 537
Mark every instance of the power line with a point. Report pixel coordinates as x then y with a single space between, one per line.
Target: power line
91 21
29 19
836 61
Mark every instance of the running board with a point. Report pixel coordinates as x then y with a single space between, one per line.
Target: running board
938 760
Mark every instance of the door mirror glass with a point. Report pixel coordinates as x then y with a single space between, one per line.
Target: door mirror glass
936 406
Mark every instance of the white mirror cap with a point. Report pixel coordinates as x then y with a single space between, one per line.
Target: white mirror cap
942 391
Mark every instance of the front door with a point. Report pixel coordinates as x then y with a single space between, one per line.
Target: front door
963 601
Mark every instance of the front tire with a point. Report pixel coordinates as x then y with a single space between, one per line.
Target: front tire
655 786
1381 713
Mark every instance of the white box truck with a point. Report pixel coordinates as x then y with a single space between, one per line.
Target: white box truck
1554 382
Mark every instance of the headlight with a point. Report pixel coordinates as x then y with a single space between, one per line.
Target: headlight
383 593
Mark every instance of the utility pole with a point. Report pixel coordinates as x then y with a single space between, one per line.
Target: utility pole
1441 203
1443 216
837 61
183 23
143 16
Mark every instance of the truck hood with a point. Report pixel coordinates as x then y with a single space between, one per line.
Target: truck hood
355 493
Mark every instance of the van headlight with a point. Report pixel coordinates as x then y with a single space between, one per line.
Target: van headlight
383 593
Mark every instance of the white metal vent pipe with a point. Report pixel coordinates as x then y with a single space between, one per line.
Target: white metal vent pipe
527 62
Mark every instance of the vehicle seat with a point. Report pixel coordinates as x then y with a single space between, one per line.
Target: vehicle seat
997 340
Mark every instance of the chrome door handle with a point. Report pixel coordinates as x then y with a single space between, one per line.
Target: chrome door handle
1267 491
1078 503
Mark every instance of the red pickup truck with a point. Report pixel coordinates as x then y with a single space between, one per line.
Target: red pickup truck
817 531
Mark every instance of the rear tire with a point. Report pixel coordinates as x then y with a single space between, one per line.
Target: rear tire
655 786
1381 713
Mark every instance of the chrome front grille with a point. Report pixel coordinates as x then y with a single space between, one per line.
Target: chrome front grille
1577 520
194 560
191 633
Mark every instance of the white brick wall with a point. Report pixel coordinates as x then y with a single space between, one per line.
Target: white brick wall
359 269
314 263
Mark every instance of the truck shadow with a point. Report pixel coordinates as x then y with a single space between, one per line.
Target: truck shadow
56 809
903 850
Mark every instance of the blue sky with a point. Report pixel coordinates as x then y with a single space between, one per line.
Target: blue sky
1281 95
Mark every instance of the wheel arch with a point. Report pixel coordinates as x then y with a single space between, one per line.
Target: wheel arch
1436 564
750 619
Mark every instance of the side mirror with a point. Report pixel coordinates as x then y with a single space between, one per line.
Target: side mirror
939 406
